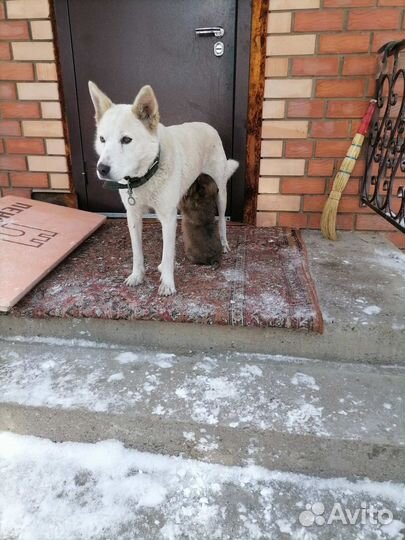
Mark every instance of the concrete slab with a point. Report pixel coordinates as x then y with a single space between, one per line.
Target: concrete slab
285 413
361 285
103 491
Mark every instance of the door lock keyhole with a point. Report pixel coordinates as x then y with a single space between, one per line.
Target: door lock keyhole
218 48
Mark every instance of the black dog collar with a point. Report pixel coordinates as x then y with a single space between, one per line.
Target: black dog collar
134 182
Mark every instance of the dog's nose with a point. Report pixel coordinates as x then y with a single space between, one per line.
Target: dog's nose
103 169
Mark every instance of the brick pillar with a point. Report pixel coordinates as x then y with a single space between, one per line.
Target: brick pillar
32 144
320 74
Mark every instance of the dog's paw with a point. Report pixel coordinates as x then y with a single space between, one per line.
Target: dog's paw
225 246
160 267
136 278
166 289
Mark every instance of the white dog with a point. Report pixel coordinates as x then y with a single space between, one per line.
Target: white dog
159 164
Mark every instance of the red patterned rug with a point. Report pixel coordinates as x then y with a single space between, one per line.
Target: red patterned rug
263 281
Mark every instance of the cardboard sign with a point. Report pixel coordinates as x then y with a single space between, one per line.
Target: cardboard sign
34 238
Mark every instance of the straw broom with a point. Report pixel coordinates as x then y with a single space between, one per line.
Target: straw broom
328 219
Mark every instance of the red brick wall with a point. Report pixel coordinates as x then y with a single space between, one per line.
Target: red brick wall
320 74
32 144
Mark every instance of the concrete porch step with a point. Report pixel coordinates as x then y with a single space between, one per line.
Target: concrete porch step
291 414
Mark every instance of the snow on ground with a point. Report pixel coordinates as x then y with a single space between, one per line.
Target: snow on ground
75 491
238 391
47 378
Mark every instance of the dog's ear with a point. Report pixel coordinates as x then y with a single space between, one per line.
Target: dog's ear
146 108
211 188
207 185
100 101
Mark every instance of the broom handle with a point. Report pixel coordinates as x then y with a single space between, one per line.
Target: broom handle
365 123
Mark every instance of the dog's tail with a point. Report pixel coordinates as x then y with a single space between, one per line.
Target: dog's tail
231 166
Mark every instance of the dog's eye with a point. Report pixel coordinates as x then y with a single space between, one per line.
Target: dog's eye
102 139
126 140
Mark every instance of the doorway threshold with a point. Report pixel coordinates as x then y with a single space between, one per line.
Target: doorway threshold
123 215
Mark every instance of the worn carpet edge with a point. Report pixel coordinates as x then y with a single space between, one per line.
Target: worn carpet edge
311 284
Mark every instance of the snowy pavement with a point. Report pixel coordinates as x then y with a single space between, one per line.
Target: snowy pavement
286 413
75 491
233 389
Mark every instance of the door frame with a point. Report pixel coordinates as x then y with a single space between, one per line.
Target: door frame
251 25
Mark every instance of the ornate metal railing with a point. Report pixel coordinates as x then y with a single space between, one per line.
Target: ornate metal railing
383 187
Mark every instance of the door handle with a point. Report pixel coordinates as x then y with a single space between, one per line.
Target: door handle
216 31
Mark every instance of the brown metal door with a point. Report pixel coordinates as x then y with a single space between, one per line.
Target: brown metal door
122 45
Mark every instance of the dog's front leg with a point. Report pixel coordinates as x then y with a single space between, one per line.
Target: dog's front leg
166 267
134 217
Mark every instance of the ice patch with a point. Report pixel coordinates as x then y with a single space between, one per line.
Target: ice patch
251 371
159 410
206 445
372 310
284 526
393 260
207 364
52 380
181 393
50 364
205 395
397 326
219 388
127 358
302 379
306 414
162 360
152 382
116 377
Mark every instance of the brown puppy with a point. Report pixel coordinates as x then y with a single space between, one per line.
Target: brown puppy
199 226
